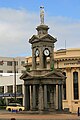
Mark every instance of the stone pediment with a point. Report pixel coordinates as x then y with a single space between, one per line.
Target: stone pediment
33 37
26 75
46 37
49 37
55 74
51 75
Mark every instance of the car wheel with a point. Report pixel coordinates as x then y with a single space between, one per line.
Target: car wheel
20 109
9 109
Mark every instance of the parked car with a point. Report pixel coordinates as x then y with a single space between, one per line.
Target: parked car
15 107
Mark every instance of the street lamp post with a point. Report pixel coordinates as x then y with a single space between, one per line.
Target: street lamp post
14 79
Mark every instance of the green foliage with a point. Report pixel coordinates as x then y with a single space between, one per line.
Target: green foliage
2 102
52 66
27 69
2 107
12 100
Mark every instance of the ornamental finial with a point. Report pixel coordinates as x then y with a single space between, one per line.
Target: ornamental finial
42 15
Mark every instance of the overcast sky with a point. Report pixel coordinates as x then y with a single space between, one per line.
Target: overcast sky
19 19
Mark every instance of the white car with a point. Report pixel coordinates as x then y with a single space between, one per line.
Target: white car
15 107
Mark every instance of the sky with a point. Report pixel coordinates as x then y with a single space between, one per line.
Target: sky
19 19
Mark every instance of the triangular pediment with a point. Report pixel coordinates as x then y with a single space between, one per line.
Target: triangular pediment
49 77
55 74
26 75
46 37
49 37
34 38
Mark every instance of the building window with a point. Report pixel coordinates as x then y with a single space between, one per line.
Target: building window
64 87
1 62
9 71
9 63
1 89
75 85
16 71
16 63
19 88
10 89
22 62
1 71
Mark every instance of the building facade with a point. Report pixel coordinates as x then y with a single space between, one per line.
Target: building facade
9 79
69 62
7 64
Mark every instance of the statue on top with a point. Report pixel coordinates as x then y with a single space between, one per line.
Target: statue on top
42 14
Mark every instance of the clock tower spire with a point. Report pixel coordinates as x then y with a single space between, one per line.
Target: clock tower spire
42 45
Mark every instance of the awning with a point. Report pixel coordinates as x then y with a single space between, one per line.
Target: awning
10 94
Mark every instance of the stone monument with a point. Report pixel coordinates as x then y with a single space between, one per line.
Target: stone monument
43 84
42 14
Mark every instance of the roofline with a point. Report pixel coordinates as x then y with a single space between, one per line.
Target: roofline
69 49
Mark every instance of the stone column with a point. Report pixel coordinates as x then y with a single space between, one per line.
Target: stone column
34 98
30 97
33 60
45 97
51 99
27 97
54 94
41 59
51 59
40 98
59 97
69 87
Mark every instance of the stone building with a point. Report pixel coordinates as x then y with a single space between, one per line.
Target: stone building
10 85
41 82
68 60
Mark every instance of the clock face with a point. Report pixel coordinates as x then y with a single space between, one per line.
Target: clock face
37 53
46 52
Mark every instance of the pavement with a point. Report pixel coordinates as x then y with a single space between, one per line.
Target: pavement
20 116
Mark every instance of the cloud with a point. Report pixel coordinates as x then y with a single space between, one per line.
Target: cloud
66 30
17 26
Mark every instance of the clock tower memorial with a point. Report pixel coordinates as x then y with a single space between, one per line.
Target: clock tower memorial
42 84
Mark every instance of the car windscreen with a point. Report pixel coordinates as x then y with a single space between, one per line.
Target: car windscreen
14 104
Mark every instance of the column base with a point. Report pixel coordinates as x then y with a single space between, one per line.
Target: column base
34 109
